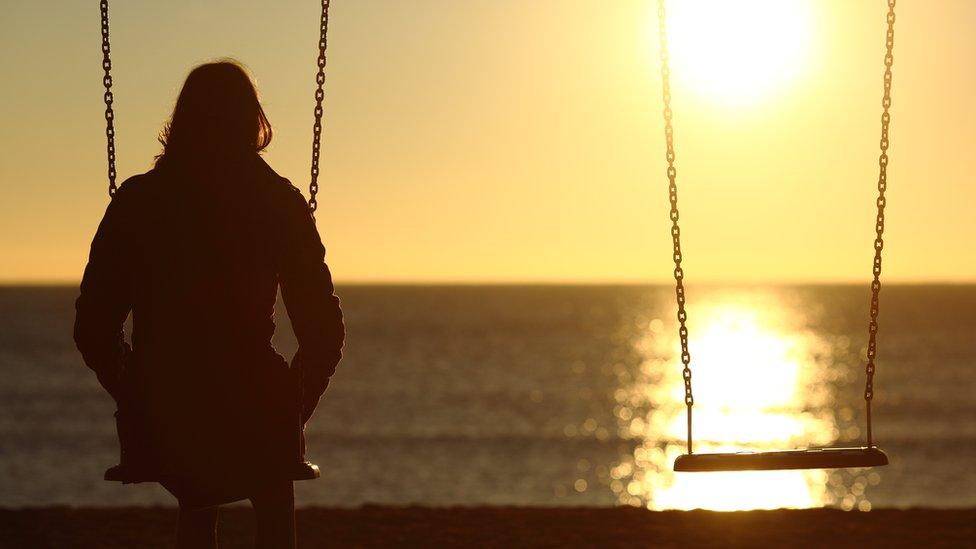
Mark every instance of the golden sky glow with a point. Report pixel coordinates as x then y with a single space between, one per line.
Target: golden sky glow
471 140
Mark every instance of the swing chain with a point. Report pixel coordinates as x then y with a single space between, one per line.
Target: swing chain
679 273
880 222
109 99
313 187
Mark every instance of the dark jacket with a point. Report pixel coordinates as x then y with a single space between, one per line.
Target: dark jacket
197 255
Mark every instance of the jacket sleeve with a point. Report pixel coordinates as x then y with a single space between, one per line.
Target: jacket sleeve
309 296
105 299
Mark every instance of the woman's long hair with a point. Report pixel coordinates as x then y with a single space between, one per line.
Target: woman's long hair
217 117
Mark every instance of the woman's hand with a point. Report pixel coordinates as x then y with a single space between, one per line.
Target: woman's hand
112 382
311 385
310 400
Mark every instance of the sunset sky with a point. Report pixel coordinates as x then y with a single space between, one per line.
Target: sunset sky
507 140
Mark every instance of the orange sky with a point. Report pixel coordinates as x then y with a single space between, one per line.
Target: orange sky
502 140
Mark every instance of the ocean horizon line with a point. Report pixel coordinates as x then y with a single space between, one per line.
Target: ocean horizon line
565 283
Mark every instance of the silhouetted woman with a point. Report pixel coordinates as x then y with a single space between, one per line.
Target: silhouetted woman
196 249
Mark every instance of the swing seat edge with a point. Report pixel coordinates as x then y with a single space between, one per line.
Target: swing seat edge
809 458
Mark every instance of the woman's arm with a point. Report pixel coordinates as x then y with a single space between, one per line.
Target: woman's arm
105 301
309 295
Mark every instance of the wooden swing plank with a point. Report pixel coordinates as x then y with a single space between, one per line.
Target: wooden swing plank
300 470
810 458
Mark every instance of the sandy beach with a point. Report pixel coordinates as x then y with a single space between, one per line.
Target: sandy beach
376 526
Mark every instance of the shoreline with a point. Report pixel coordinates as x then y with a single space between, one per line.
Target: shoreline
375 526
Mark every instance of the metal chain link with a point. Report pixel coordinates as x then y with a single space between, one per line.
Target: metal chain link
109 99
679 273
313 186
880 221
109 116
879 224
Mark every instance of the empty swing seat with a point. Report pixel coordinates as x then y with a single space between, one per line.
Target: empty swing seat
810 458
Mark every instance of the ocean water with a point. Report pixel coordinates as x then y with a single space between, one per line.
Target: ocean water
558 395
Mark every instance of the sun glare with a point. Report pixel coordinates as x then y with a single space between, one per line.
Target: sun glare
759 385
737 52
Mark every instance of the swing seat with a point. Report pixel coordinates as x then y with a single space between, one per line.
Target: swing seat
136 465
810 458
300 470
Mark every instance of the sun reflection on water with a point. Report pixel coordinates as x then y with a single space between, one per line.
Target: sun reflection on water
761 382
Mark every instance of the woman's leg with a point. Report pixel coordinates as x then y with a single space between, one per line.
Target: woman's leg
197 528
274 512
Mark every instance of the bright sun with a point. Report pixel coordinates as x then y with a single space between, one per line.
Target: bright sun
738 51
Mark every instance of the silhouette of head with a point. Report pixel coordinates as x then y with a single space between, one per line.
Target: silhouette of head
217 117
